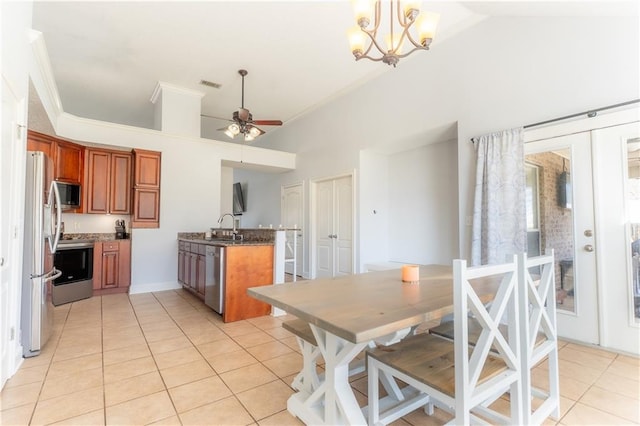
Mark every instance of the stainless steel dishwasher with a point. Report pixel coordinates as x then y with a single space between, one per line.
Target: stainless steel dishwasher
214 282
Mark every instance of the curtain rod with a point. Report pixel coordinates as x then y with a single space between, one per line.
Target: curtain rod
591 113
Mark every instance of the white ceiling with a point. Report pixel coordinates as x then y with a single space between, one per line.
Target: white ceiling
107 57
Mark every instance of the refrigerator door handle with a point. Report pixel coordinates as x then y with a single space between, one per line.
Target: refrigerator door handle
54 202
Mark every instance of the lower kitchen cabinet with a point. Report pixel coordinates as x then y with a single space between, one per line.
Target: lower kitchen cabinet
192 267
244 265
111 267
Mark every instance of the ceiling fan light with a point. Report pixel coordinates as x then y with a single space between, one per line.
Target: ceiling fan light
234 129
229 133
254 132
248 137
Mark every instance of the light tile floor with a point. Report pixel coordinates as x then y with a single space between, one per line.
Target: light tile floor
165 358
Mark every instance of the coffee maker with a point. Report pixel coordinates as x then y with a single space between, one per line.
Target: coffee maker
120 230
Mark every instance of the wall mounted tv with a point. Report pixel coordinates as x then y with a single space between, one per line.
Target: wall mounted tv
238 199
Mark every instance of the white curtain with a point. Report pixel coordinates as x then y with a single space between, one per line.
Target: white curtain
499 221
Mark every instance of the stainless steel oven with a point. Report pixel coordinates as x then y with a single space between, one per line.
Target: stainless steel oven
74 258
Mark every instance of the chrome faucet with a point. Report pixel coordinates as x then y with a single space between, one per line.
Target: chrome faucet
233 218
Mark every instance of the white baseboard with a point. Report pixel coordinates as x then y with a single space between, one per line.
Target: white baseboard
149 287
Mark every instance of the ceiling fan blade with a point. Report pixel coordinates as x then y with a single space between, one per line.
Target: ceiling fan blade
214 117
268 122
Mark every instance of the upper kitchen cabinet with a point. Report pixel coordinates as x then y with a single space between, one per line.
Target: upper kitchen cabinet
69 160
40 142
146 189
108 181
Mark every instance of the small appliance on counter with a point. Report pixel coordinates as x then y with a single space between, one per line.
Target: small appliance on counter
120 230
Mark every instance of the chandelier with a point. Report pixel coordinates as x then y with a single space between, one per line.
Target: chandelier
391 50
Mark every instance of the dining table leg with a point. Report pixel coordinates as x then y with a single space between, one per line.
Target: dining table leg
333 401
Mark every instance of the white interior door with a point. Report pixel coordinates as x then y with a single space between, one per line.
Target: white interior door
566 217
324 229
293 217
617 189
9 172
334 227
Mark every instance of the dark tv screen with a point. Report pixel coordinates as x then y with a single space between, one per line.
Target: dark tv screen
238 199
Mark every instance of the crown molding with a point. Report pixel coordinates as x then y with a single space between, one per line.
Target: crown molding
162 86
41 74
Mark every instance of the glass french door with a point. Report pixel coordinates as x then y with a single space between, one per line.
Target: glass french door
617 189
560 216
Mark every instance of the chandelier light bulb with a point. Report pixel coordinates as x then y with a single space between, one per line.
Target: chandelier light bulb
357 39
427 23
363 10
411 9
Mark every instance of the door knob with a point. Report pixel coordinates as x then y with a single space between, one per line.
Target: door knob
588 248
588 233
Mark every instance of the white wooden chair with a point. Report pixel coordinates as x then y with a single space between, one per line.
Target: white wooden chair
453 375
539 339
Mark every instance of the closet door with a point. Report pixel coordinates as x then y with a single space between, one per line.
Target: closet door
334 227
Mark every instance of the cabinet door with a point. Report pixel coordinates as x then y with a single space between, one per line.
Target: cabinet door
147 169
110 263
146 189
201 265
97 181
181 266
97 265
193 267
68 159
124 263
120 196
146 208
39 142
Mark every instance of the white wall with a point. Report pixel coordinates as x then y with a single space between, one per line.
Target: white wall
423 204
502 73
375 210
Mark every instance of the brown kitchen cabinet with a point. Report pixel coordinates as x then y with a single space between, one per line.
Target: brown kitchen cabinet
108 181
246 266
40 142
111 267
192 267
146 189
69 160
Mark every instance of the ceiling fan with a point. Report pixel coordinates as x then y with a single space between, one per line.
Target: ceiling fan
243 122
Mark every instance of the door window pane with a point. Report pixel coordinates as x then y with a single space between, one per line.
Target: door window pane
633 219
551 217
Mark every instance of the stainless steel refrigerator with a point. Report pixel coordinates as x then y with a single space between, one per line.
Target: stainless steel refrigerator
42 217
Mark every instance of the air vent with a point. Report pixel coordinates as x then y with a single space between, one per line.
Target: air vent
210 84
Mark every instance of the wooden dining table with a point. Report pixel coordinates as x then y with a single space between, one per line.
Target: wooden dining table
348 313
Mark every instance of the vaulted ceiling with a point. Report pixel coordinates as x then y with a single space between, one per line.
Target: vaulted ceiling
107 57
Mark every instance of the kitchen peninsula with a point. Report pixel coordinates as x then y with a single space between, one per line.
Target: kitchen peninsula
219 269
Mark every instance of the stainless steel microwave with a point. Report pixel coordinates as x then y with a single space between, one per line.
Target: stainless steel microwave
69 195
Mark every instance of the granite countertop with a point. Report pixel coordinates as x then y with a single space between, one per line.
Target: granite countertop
92 237
225 242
